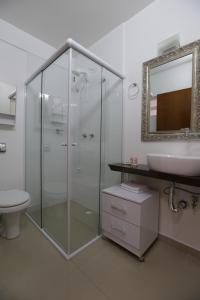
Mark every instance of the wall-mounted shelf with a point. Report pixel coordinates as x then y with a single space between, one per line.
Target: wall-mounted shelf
144 170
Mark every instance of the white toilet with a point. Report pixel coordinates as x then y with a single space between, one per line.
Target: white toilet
12 202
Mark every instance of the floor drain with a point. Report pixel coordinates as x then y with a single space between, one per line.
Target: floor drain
88 212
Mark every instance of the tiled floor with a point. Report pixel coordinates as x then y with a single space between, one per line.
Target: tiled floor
31 269
83 227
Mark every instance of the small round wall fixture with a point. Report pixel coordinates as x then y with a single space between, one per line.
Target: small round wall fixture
133 91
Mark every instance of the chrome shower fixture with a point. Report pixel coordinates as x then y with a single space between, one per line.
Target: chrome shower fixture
80 80
79 72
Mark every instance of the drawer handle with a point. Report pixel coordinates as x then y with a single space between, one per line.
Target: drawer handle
121 209
115 227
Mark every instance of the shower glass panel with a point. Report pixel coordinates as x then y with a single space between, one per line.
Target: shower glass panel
54 149
85 154
112 127
33 146
73 131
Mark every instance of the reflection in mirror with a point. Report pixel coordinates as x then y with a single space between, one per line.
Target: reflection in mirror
7 99
171 95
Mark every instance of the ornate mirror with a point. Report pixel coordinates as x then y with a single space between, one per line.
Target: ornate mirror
171 95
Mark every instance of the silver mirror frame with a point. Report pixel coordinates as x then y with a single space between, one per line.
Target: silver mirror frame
194 132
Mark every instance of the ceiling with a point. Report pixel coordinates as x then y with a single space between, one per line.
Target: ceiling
53 21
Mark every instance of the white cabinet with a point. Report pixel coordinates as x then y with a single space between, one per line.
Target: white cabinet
130 219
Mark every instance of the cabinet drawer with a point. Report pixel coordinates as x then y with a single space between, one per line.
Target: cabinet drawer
123 230
119 207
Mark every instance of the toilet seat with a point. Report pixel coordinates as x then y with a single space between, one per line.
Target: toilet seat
13 201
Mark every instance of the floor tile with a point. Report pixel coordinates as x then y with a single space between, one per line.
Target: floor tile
32 269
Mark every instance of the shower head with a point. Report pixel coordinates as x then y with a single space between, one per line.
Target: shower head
79 72
80 80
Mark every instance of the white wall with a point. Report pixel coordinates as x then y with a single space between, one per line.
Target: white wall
125 48
20 55
140 36
111 48
23 40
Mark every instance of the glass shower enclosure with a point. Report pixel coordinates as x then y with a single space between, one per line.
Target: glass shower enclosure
73 130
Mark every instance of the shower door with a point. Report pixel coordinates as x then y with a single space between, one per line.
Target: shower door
33 146
85 153
73 131
112 126
55 150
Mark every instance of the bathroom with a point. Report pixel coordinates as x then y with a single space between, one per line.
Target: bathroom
31 266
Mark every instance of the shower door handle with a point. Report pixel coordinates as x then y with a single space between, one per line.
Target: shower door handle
65 145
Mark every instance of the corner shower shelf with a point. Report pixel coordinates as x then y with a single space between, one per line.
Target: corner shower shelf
144 170
7 119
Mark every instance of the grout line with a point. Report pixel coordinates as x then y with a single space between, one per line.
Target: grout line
90 280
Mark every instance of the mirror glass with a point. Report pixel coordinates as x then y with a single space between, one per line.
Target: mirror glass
8 96
170 95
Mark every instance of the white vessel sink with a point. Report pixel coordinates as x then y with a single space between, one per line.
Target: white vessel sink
174 164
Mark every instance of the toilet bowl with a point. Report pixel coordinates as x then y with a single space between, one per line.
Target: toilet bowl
12 202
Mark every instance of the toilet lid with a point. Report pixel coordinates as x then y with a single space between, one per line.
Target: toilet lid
13 198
